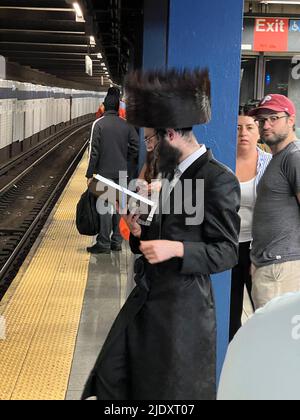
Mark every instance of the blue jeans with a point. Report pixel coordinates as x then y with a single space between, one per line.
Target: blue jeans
109 231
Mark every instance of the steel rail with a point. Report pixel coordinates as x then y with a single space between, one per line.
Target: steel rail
4 168
18 250
11 183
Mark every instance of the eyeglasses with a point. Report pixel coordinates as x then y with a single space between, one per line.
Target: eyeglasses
148 139
272 119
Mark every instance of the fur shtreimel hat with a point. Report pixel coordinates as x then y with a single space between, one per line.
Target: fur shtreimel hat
168 99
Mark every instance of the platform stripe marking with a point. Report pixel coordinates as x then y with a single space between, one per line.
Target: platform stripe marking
43 315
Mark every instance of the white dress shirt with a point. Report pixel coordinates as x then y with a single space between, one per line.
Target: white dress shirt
183 166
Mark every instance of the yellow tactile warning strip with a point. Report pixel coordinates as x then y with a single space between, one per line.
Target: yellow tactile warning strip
43 315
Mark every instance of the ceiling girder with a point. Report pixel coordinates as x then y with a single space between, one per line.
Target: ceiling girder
45 35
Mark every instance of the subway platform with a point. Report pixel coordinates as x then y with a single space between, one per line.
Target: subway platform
59 308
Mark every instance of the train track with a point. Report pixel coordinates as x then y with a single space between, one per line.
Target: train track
27 199
15 166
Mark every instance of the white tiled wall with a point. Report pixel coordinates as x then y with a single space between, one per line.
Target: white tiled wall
21 118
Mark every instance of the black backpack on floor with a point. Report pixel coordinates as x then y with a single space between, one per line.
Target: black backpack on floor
87 218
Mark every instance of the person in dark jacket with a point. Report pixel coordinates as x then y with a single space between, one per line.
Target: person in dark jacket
114 145
163 344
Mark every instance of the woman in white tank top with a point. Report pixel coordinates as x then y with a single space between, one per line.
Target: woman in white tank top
251 164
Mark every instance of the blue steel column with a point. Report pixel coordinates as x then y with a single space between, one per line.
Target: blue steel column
155 33
208 33
155 42
204 33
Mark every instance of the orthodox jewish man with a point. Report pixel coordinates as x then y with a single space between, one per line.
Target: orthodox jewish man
162 345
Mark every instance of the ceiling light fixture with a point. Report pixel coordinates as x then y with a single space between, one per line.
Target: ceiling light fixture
99 55
79 14
280 2
92 41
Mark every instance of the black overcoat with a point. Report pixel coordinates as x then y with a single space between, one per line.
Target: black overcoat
162 345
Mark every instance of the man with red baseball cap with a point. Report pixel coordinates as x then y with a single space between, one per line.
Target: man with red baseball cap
277 103
276 229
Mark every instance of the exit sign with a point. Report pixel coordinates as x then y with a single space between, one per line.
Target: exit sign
271 34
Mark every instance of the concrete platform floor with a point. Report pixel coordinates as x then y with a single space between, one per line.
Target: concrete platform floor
106 293
110 282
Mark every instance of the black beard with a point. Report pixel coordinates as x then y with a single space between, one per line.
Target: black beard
169 157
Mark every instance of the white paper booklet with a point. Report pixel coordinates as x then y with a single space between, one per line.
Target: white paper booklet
112 192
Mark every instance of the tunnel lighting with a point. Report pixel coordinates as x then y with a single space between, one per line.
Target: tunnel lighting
103 65
92 41
279 2
78 11
99 55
